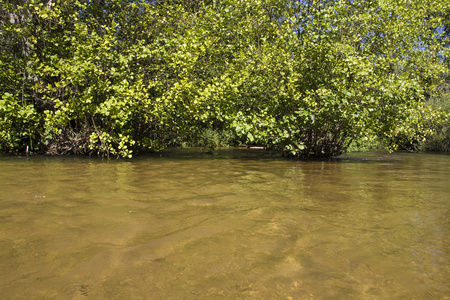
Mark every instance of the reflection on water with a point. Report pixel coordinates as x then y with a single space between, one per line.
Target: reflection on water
232 225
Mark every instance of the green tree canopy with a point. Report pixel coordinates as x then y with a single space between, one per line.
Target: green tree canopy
304 77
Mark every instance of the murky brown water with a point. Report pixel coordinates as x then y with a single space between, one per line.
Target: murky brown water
228 226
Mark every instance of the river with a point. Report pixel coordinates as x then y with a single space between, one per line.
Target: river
237 224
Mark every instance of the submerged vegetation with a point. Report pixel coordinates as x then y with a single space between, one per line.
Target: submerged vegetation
307 78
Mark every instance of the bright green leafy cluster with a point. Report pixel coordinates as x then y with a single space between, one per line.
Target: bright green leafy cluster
305 77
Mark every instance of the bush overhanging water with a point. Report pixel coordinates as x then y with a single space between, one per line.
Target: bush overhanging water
306 78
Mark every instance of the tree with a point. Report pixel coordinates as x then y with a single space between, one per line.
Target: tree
341 78
115 77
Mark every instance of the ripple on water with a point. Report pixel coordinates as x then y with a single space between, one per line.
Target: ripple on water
225 226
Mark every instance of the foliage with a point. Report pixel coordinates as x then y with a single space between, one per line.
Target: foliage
305 77
439 139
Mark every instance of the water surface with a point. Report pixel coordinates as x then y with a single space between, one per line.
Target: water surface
234 225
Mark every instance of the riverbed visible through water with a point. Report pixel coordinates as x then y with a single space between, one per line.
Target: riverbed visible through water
238 224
